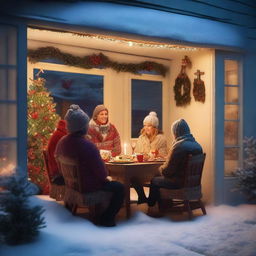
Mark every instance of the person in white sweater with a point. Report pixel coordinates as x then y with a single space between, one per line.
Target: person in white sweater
150 143
151 139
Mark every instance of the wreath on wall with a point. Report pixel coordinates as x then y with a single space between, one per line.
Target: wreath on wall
182 85
182 90
93 61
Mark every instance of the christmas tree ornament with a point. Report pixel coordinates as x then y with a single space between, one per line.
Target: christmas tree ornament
199 87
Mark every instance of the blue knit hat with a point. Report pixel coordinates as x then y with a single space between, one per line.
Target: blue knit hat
77 119
180 128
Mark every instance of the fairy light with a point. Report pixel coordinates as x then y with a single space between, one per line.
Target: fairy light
128 42
7 170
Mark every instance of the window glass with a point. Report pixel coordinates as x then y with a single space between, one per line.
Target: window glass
146 97
3 84
73 88
8 115
231 133
12 80
231 94
12 42
8 84
3 45
231 160
231 72
231 112
8 154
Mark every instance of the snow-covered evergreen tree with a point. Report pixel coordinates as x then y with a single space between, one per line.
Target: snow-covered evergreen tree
247 175
19 221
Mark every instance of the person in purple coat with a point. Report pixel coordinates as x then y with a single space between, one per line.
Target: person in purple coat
94 172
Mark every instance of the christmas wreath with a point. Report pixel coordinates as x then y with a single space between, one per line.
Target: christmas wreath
182 89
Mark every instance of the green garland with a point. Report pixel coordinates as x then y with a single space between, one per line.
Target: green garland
93 61
182 89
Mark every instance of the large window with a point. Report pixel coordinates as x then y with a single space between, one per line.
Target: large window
8 97
232 116
68 88
146 96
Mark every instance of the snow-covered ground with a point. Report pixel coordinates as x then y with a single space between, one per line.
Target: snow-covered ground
225 230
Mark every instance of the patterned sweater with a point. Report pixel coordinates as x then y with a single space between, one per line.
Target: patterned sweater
105 137
144 145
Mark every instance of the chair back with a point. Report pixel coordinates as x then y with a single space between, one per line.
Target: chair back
45 157
69 168
193 170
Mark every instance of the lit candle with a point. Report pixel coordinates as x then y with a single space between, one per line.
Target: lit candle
125 148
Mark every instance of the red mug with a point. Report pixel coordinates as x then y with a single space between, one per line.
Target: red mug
140 157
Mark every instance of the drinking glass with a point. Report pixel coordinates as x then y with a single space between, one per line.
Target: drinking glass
133 145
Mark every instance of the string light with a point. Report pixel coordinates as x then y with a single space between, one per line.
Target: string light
128 42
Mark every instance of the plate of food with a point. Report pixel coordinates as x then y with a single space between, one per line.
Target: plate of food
122 160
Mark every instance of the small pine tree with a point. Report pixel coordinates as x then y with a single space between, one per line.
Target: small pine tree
19 222
247 175
42 121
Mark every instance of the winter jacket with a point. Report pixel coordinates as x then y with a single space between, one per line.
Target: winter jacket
104 137
173 168
144 145
93 170
56 136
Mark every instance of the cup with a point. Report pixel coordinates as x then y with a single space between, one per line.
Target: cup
105 155
155 153
140 157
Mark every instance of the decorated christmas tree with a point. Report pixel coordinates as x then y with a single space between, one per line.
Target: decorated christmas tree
247 175
42 121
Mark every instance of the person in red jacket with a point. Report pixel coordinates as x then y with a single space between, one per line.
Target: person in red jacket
102 133
54 173
92 169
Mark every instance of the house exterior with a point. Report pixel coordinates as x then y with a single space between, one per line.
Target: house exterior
218 38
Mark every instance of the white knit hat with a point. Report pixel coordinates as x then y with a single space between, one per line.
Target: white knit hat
77 119
151 119
180 127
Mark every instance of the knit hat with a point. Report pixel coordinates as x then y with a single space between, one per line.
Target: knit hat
151 119
77 119
180 128
97 110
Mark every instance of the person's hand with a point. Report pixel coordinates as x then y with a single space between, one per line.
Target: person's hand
109 178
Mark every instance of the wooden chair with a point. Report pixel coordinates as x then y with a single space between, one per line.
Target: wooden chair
56 191
75 195
189 196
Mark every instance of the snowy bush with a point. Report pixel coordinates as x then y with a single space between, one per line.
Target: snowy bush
247 175
19 222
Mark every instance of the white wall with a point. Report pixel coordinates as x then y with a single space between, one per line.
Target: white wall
198 115
117 93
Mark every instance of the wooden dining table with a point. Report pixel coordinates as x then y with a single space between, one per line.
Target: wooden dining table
124 172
